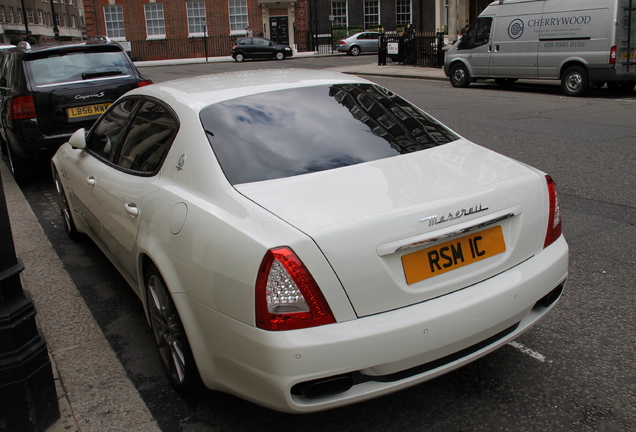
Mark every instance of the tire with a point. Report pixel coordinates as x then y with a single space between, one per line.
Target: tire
24 171
172 342
574 81
621 87
459 76
354 50
65 210
279 56
239 58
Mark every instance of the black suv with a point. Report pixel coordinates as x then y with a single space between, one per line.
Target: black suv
259 47
47 92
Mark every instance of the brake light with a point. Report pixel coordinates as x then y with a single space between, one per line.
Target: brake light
22 107
612 57
342 42
143 83
287 296
554 219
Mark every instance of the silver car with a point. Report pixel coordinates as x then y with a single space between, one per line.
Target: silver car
359 42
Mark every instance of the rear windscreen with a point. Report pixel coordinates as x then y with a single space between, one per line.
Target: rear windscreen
76 65
298 131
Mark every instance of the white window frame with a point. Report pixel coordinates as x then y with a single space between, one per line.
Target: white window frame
41 19
112 13
195 19
238 16
155 23
398 13
369 22
340 20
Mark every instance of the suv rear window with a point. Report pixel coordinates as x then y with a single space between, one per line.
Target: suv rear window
63 66
298 131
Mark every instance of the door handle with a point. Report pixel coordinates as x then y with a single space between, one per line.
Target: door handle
91 181
132 209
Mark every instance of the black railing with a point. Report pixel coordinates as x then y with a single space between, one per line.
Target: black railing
422 49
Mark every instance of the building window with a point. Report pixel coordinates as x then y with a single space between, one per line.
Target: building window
238 16
10 18
114 19
19 16
30 16
3 15
196 17
403 11
155 28
371 14
339 12
73 21
40 17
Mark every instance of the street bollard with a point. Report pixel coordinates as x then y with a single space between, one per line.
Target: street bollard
28 401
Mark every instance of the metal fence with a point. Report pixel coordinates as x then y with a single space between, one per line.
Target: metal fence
422 49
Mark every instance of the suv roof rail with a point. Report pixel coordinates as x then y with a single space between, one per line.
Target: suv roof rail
24 46
99 39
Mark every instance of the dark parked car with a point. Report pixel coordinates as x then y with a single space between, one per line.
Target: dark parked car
259 47
49 91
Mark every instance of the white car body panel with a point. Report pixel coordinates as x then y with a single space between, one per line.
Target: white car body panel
208 239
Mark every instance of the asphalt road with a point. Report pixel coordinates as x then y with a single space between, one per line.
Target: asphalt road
574 371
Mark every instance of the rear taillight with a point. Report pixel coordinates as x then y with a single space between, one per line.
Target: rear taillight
22 107
143 83
554 219
612 58
342 42
287 297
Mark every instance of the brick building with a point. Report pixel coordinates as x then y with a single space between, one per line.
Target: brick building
136 20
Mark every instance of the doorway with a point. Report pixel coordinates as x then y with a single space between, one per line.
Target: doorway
279 29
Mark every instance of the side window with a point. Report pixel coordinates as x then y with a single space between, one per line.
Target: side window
106 134
478 34
148 139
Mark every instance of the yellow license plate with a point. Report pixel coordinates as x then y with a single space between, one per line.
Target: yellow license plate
454 254
88 110
632 56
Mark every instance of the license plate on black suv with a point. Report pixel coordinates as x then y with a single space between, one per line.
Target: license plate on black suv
87 110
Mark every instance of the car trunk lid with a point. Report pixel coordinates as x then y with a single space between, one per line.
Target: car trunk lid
403 230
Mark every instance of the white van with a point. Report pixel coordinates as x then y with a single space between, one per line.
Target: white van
583 43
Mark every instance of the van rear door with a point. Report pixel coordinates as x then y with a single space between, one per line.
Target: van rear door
626 39
516 40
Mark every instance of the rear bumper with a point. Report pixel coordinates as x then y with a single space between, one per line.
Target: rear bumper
27 142
382 353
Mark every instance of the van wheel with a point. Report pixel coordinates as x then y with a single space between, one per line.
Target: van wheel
459 76
621 87
575 81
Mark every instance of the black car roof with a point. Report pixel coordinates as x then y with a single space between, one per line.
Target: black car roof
53 46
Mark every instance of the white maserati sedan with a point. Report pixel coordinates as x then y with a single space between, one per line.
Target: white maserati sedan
305 239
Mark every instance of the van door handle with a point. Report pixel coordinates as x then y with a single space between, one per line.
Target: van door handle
496 48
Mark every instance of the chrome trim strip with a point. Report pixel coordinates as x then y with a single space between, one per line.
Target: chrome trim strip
456 232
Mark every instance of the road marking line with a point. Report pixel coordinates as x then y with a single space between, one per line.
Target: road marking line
531 353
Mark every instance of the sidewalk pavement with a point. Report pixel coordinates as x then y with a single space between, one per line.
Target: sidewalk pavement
94 391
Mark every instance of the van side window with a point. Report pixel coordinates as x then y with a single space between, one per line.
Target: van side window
478 34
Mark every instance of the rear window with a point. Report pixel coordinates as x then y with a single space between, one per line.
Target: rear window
76 65
299 131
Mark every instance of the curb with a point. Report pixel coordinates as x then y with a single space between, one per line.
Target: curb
94 392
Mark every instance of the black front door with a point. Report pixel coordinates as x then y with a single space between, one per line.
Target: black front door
279 29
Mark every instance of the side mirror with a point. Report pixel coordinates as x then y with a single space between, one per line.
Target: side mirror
78 139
